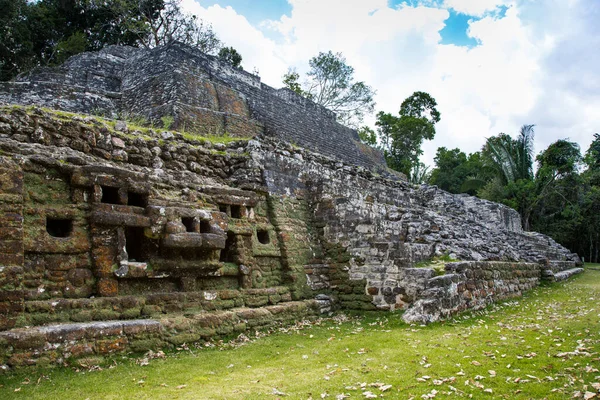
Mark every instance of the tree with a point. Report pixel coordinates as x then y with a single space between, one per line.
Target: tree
47 32
159 22
290 81
16 46
401 137
367 136
592 160
419 174
511 159
231 56
330 82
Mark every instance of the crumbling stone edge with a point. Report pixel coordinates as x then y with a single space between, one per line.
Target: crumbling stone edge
473 285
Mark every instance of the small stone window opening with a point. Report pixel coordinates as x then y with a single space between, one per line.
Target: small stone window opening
110 195
223 208
134 244
205 227
137 199
228 253
59 227
263 236
190 224
236 211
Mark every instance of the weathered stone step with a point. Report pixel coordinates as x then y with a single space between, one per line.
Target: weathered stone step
563 275
64 342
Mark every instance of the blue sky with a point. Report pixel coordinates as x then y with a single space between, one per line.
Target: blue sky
492 65
255 11
455 31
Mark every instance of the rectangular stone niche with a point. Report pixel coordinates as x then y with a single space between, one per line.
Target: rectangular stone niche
229 252
263 236
189 223
59 227
134 244
110 195
137 199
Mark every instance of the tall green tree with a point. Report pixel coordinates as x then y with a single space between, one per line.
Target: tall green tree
556 208
172 24
16 45
401 137
511 159
330 82
367 136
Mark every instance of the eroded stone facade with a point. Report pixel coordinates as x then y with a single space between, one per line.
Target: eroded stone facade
180 239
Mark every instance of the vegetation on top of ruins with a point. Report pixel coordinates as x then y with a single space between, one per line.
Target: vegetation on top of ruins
133 129
544 345
230 56
437 263
330 83
48 32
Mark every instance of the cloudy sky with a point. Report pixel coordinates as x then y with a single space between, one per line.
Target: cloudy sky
492 65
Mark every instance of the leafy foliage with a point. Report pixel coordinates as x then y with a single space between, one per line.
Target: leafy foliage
47 32
367 136
291 81
512 159
330 82
401 137
231 57
456 172
172 24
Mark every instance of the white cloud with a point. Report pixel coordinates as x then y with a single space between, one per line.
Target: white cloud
537 64
235 30
474 7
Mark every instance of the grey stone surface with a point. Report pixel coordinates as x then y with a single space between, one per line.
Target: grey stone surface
200 92
387 226
334 224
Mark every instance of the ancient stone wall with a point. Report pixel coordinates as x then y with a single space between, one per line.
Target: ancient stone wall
193 237
472 285
373 230
202 94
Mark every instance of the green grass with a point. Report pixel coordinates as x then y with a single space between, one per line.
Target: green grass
544 346
134 123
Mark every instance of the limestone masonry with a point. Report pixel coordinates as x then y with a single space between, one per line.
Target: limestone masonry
115 237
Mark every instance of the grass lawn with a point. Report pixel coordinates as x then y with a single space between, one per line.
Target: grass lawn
545 345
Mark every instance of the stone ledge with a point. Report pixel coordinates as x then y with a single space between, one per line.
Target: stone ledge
563 275
60 343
